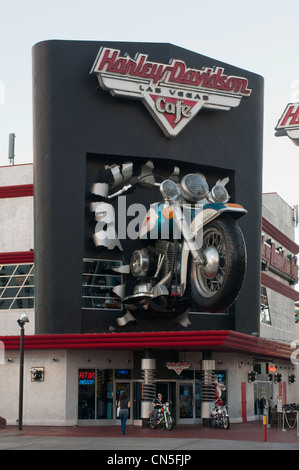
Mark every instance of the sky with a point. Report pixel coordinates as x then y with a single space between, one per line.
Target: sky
260 36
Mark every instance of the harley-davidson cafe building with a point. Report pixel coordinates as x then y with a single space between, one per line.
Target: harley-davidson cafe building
104 113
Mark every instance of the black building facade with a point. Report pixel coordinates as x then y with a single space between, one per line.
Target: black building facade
81 131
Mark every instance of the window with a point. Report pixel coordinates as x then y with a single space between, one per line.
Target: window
16 286
99 279
95 397
265 312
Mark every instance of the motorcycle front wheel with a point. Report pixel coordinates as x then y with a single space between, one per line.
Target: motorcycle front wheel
215 287
169 423
151 423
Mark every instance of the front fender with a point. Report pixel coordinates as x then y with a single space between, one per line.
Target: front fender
208 213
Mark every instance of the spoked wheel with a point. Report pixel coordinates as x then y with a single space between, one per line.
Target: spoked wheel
169 423
226 422
151 423
215 286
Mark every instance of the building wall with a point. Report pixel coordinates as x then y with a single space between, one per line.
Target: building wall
16 233
281 307
279 213
55 400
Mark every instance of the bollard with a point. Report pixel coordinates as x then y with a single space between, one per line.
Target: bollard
283 429
265 427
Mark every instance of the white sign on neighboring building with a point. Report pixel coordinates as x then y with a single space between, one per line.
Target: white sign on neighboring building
288 124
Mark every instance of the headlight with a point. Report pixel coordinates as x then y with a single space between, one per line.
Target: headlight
194 187
140 262
169 188
218 194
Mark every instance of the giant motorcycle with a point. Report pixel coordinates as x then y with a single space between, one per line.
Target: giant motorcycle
194 250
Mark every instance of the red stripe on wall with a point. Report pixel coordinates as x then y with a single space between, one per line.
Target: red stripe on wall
21 190
17 257
279 287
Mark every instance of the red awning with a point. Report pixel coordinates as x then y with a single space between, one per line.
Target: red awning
222 340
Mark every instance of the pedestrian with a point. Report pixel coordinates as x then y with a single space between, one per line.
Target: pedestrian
124 405
157 404
270 405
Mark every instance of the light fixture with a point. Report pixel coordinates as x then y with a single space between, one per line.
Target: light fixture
37 374
23 319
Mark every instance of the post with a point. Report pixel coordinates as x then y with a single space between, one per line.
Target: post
21 321
21 377
265 427
283 429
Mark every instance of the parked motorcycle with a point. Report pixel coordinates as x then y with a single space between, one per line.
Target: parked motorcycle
194 248
164 418
220 417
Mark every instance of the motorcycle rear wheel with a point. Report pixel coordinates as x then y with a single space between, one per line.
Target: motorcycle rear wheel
217 293
226 422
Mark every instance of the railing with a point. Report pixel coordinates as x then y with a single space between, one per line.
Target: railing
276 261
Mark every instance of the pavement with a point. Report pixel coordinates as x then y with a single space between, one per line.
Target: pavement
181 440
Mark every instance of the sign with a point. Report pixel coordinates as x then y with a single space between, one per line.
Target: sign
86 377
279 404
288 124
178 366
173 93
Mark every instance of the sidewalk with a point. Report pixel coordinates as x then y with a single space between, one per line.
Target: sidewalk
182 438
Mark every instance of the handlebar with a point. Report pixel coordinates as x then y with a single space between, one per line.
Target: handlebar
132 184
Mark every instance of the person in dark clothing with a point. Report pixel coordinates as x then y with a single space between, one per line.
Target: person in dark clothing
124 405
157 404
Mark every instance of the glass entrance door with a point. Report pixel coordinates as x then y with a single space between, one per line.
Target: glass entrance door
122 389
186 402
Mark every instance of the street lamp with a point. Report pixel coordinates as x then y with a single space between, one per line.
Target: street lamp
21 321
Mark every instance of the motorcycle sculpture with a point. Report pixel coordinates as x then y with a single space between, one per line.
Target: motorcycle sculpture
220 417
194 249
164 418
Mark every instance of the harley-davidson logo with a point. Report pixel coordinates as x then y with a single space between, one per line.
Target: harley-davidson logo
173 93
288 124
178 367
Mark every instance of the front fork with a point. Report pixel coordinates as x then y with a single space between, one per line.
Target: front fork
192 239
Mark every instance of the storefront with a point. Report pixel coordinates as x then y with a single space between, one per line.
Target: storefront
96 403
83 376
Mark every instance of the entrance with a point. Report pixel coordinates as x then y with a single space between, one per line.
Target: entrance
168 391
121 389
189 402
262 392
